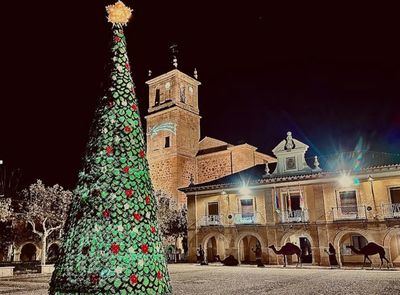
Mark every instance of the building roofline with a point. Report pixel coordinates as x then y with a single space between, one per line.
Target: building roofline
285 180
271 159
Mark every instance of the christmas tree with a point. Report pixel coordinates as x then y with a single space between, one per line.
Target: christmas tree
111 243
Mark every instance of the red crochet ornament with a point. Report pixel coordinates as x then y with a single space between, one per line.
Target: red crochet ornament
114 248
137 216
133 279
145 248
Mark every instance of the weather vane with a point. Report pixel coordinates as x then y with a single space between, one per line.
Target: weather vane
174 51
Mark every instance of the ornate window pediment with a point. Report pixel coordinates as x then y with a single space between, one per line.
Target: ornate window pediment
290 154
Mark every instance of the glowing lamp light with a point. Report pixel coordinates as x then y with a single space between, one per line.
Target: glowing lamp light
223 193
345 180
244 190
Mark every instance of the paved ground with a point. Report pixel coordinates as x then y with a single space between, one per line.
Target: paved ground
192 279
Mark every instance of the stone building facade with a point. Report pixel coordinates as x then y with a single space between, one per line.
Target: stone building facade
348 199
177 156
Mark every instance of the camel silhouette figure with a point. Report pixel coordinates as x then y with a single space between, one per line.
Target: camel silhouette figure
371 249
288 249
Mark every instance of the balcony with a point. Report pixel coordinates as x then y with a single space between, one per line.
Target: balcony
349 213
243 219
211 220
391 210
294 216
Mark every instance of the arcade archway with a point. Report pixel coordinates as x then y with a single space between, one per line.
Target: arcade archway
211 249
346 256
246 248
214 245
304 242
28 253
392 246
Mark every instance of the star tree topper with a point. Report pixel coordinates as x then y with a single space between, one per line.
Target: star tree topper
119 13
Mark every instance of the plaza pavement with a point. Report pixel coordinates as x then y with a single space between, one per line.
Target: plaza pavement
217 279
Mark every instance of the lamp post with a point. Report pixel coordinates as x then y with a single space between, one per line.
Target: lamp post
2 180
371 182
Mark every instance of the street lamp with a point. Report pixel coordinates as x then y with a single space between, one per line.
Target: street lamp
345 180
371 182
244 190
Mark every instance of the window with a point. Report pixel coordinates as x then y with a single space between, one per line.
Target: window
348 201
358 241
157 98
247 208
291 163
395 195
167 143
213 208
293 202
182 94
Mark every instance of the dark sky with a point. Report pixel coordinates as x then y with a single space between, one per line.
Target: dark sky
330 74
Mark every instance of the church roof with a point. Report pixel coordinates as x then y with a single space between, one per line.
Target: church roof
356 162
209 145
208 142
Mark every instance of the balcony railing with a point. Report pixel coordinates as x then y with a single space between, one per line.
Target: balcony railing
349 213
255 218
292 216
391 210
210 220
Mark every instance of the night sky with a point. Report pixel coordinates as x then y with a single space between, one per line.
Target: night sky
330 74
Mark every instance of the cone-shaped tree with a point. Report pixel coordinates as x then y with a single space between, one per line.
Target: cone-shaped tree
112 243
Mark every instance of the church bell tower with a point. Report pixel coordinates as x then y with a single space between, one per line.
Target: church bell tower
173 132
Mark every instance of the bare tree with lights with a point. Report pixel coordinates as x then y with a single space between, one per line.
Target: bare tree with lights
172 220
45 209
5 232
5 209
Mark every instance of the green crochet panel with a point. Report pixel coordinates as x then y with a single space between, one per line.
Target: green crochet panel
112 243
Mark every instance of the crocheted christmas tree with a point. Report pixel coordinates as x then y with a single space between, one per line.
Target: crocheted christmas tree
111 243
